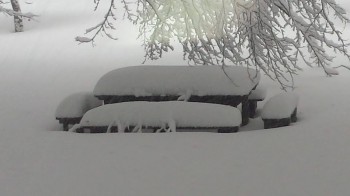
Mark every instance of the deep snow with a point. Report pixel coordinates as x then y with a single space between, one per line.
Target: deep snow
172 114
42 65
178 80
76 105
259 93
280 106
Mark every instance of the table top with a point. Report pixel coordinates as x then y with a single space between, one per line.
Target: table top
148 80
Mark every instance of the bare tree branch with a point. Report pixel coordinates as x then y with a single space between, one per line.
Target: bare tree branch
10 12
103 27
346 67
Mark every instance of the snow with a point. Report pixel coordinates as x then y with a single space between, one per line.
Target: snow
177 80
280 106
83 39
157 114
76 105
331 71
258 94
43 65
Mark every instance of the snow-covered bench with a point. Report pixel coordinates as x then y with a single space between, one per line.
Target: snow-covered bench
209 84
73 107
167 116
280 110
258 94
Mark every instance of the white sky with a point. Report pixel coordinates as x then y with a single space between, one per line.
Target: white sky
344 3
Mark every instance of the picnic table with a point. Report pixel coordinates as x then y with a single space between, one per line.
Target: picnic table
227 85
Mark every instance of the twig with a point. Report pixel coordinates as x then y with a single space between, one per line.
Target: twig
346 67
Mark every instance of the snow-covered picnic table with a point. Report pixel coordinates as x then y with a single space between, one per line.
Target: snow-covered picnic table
228 85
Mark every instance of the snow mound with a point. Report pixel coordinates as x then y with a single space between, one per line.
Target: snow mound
170 114
178 80
76 105
258 94
280 106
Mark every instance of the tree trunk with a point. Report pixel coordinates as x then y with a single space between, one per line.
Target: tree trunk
18 19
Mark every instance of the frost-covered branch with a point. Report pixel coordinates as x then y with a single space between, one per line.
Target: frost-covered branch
17 14
270 35
103 27
346 67
10 12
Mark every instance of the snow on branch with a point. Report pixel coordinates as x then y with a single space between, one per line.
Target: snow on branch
346 67
10 12
270 35
103 27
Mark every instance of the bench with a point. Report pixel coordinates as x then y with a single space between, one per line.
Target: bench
258 94
72 108
160 116
208 84
280 110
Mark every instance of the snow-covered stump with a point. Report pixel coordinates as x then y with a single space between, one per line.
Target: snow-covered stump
72 108
280 110
207 84
258 94
160 116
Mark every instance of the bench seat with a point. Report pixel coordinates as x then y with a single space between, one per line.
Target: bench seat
72 108
280 110
114 129
168 116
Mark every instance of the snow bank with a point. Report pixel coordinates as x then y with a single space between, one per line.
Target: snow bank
258 94
280 106
156 114
178 80
76 105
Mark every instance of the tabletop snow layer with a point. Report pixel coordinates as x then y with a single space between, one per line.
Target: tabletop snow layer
76 105
155 114
280 106
258 94
178 80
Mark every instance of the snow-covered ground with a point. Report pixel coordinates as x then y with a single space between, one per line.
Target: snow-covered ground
42 65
